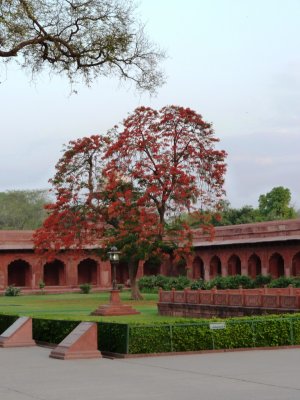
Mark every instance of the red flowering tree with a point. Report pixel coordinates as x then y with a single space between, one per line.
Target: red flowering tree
74 218
131 190
170 155
96 208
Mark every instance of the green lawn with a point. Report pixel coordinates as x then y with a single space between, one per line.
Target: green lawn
79 306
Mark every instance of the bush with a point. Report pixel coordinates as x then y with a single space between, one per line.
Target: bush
191 335
85 288
151 284
12 291
51 331
281 282
262 280
198 284
245 332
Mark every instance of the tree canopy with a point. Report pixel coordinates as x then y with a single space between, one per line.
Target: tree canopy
274 205
129 188
81 38
22 209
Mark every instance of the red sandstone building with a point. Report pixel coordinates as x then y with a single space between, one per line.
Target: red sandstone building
251 249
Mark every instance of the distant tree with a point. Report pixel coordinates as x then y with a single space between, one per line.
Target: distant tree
276 204
80 38
22 209
235 216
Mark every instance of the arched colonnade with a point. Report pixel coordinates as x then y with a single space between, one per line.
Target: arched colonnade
28 271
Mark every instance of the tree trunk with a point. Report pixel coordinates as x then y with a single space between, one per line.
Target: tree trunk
132 269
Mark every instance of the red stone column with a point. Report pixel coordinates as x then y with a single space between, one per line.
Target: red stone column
37 272
224 265
288 262
189 267
71 273
3 275
206 260
244 265
105 274
264 257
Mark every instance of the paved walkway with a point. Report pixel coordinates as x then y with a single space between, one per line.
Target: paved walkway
28 373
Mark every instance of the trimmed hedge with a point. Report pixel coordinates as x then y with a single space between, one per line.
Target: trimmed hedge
113 337
239 333
51 331
151 284
6 321
182 335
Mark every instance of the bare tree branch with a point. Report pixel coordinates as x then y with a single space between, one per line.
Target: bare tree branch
83 39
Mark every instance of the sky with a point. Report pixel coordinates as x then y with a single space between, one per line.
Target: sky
236 62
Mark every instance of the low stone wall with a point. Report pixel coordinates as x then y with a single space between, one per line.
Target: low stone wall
228 303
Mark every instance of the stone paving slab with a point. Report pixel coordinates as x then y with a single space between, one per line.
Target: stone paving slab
29 374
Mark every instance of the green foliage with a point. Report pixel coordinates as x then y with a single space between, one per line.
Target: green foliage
85 288
149 339
264 331
276 204
151 284
235 216
51 331
22 209
6 321
262 280
282 282
230 282
113 337
190 335
12 291
198 284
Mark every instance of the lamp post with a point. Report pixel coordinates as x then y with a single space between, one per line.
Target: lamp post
114 258
114 307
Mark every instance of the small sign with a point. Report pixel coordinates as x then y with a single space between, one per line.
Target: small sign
217 325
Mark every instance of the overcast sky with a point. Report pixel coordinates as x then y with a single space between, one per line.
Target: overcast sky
236 62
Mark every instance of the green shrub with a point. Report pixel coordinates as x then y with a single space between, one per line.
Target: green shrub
51 331
12 291
179 283
262 280
198 284
267 331
85 288
191 335
6 321
282 282
113 337
296 282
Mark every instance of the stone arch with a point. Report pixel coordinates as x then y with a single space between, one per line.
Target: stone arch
19 273
122 273
198 268
54 273
215 267
87 271
234 265
180 267
276 265
296 265
254 266
152 266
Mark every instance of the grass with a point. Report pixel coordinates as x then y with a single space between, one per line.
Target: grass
77 306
